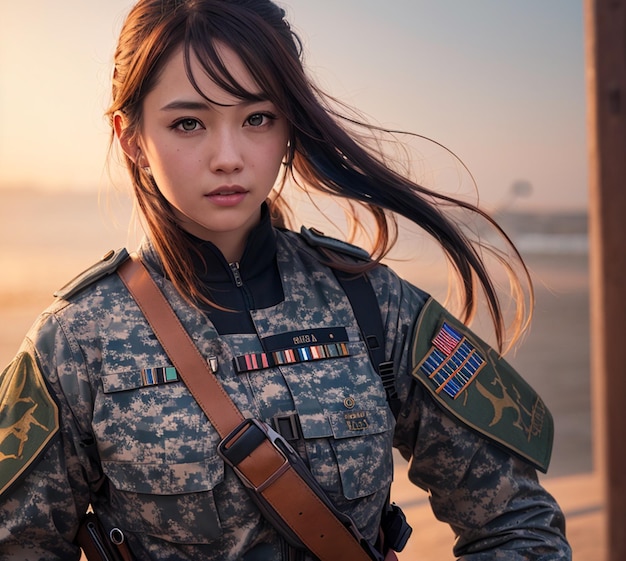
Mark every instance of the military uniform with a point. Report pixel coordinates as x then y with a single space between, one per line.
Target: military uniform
94 412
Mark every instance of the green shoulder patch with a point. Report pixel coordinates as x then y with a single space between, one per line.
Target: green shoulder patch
315 238
28 418
107 265
476 385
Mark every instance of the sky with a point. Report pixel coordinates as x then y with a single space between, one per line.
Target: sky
500 83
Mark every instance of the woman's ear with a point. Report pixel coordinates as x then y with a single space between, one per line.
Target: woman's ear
126 140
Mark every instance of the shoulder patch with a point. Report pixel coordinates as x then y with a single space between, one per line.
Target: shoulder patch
315 238
29 418
476 385
107 265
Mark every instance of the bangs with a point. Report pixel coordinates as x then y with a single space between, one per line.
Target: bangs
249 38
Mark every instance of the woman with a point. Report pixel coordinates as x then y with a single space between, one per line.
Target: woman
211 108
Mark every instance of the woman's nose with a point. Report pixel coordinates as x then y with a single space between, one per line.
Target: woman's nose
226 152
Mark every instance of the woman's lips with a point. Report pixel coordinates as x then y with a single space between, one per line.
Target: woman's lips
227 195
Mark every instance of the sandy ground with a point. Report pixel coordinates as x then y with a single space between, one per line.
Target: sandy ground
47 240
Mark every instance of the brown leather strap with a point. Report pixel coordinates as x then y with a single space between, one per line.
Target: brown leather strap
311 520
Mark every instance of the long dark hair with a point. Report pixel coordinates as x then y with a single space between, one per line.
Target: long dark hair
324 154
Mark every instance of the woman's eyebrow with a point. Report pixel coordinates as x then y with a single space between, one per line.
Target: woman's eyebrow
192 105
185 104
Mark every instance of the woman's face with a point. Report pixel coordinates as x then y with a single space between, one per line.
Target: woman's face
214 163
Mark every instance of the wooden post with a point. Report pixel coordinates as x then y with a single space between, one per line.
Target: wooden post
605 45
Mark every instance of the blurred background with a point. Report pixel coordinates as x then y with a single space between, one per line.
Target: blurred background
501 84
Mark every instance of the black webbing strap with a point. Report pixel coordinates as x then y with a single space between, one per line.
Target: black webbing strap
360 292
366 310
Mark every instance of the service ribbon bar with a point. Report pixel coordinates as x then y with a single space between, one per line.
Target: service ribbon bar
452 363
259 361
159 375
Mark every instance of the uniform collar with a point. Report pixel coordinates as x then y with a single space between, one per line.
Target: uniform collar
259 253
209 263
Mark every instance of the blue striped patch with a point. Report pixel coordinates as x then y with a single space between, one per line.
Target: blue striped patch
452 362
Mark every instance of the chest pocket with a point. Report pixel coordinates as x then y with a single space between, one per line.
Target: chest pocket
157 451
345 423
362 446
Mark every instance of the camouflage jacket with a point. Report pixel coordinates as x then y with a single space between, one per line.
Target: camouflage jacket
93 412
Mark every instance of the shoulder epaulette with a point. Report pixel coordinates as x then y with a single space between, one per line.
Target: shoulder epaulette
478 387
315 238
107 265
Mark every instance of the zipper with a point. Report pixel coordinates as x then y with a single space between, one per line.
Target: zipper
248 300
234 267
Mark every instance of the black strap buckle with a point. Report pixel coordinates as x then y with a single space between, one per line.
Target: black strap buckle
288 426
244 440
396 529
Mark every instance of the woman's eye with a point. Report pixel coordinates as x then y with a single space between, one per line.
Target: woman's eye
187 125
258 119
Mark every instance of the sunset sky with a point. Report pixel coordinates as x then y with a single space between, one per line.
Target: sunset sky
499 83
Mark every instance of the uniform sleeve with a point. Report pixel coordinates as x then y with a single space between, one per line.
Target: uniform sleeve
491 499
43 489
486 492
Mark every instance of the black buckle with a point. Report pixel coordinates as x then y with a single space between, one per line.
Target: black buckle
388 376
244 440
287 426
396 529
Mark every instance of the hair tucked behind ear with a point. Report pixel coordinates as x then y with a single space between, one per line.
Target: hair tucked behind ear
324 154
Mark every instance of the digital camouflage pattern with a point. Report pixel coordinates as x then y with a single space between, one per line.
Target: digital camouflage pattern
153 470
478 386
